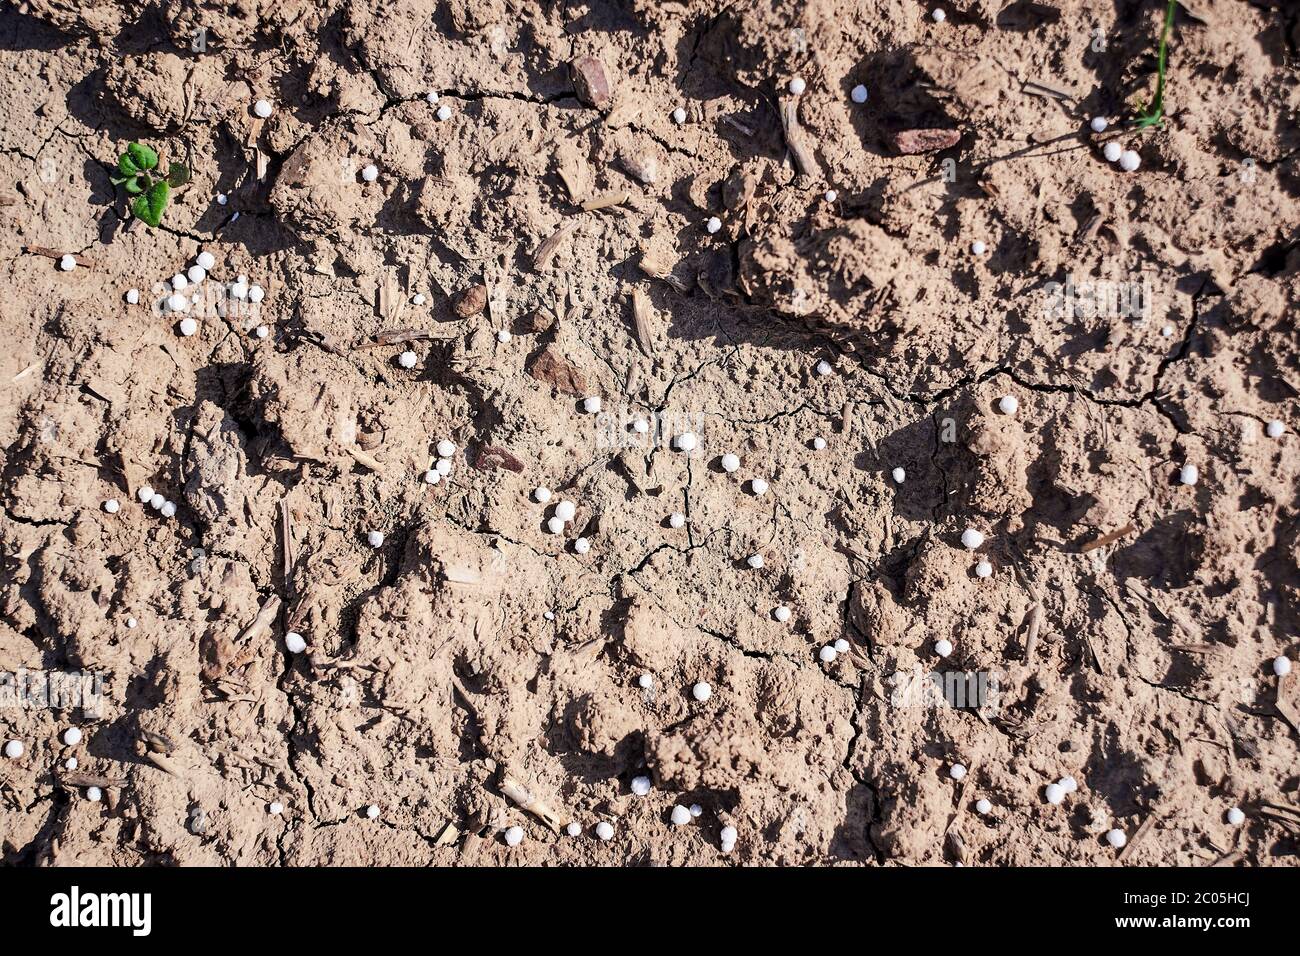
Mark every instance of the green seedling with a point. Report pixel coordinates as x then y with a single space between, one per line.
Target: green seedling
1153 116
138 175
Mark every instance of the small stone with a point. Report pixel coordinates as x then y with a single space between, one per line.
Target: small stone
591 82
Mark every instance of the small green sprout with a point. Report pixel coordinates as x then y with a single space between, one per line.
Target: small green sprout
1153 116
137 174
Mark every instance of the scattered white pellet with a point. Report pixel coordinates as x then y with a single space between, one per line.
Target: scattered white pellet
679 116
14 749
294 642
713 225
156 501
541 494
819 443
262 331
978 248
841 646
680 815
444 112
582 545
196 274
781 613
168 510
984 570
1068 784
1167 331
604 830
728 837
370 173
177 302
144 494
755 561
1129 161
549 615
1008 404
827 654
957 771
1189 474
730 462
132 296
503 336
262 109
640 786
758 486
797 85
1054 793
686 441
256 294
94 794
983 807
222 199
574 828
677 520
1236 817
276 808
645 681
640 426
1112 151
407 359
70 763
899 475
111 506
372 811
1099 124
938 16
1281 666
696 810
514 836
445 448
375 539
417 299
943 647
591 404
443 466
858 94
431 98
701 691
205 261
188 326
566 510
555 524
72 736
68 263
971 539
831 195
1116 838
824 367
132 623
1275 429
432 477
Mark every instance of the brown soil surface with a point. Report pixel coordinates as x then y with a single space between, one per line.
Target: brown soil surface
474 654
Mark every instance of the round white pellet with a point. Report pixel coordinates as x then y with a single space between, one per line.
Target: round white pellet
14 749
677 520
1275 429
222 199
819 443
899 475
826 654
262 109
1112 151
696 810
641 426
177 302
1098 124
1054 793
758 486
431 98
370 173
755 561
686 441
797 85
70 763
205 261
276 808
728 835
824 368
503 336
701 691
541 494
1008 404
645 681
1068 784
132 623
984 570
156 501
94 794
730 462
831 195
983 807
179 282
574 828
957 771
640 786
375 539
1129 160
68 263
196 274
72 736
591 404
444 112
943 647
1189 474
132 296
841 646
679 116
262 331
446 448
294 643
1281 666
168 510
239 290
443 466
256 293
555 524
582 546
604 830
566 510
144 494
407 359
781 613
859 94
1116 838
938 16
372 811
713 225
188 326
978 248
514 836
971 539
432 477
111 506
680 815
1236 817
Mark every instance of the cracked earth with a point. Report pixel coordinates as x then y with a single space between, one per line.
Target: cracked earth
476 672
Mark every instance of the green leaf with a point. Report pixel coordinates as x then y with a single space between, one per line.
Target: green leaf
149 207
135 185
178 174
137 159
